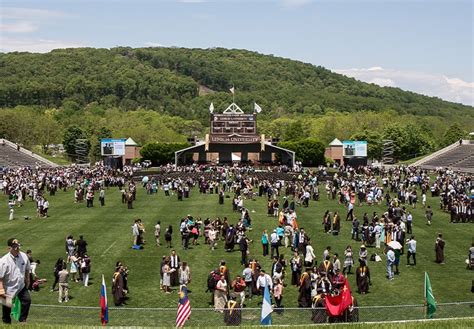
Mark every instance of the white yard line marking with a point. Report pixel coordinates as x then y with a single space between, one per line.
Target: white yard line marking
106 250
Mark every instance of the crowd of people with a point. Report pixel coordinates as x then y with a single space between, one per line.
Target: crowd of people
396 189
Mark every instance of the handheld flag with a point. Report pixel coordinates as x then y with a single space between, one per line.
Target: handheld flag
429 298
267 310
232 90
336 305
211 108
184 307
16 308
257 108
104 308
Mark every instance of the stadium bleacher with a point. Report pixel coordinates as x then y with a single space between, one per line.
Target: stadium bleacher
10 156
460 158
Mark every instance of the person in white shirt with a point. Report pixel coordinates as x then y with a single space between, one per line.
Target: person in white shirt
309 256
264 280
390 262
211 234
274 243
166 189
135 232
14 280
157 232
411 250
409 223
336 265
247 275
378 233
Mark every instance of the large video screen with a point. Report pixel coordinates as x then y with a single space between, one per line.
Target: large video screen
110 147
354 148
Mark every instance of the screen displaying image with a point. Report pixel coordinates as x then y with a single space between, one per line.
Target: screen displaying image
108 149
112 147
354 148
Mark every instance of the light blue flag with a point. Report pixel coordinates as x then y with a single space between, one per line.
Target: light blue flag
266 308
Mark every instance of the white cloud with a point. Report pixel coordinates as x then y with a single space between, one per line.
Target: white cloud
451 89
383 82
153 44
27 13
25 20
375 68
18 27
35 45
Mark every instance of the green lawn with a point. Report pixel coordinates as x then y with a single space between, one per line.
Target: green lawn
60 159
108 232
412 160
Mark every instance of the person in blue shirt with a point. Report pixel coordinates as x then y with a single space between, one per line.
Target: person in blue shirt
265 243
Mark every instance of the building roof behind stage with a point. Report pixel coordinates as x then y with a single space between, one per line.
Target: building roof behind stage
130 142
335 142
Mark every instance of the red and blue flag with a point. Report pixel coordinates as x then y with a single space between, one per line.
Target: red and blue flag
104 308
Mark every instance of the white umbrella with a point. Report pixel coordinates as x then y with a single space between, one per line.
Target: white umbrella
395 244
145 179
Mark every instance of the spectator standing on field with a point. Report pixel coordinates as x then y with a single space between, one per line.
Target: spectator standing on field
81 246
439 249
157 232
411 250
429 215
85 269
63 285
390 262
14 280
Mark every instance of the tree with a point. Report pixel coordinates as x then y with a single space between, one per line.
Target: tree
309 151
294 131
374 142
409 140
47 131
103 132
453 134
71 134
161 153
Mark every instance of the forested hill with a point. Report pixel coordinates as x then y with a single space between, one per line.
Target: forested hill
167 80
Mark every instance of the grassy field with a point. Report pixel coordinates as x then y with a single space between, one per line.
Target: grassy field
108 232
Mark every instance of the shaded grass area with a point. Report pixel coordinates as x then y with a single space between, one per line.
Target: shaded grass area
452 323
108 232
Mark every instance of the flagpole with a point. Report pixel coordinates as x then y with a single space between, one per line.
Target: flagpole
233 94
425 303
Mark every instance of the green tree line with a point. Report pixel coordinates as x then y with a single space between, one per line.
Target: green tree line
154 95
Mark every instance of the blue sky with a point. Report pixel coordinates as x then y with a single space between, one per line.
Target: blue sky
423 46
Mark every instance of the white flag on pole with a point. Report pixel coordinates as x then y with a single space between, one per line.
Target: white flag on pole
257 108
211 108
232 90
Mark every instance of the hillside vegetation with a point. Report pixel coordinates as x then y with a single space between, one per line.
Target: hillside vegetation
152 94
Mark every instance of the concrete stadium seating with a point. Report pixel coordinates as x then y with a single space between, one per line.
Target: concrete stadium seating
460 158
10 156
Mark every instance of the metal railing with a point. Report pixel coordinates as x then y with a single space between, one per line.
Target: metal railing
166 317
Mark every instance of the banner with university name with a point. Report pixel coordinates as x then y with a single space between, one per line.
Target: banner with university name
234 139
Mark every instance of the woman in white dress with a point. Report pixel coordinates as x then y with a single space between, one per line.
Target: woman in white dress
166 276
220 294
348 260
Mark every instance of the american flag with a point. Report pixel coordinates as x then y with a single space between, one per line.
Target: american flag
184 307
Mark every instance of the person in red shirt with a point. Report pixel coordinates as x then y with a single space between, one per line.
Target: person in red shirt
238 285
